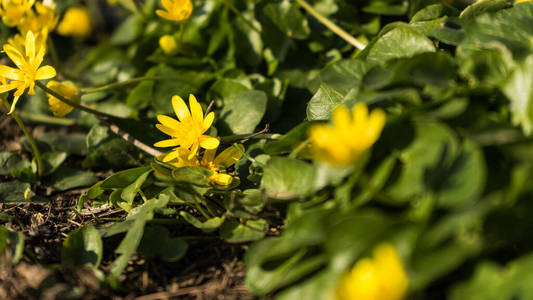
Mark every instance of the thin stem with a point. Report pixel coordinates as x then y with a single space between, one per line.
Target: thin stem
258 135
53 53
46 119
33 145
248 157
72 103
123 83
127 137
299 148
332 26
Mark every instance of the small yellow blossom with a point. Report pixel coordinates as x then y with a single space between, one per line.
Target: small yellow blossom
379 278
12 11
28 68
76 22
45 18
176 10
216 164
68 90
168 44
188 132
343 141
220 163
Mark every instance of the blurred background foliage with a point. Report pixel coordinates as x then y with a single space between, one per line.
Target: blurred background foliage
448 183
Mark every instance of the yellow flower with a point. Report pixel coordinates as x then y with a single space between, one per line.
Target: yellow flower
180 158
68 90
75 22
12 11
44 19
19 42
343 141
27 62
168 44
217 165
220 163
188 132
379 278
176 10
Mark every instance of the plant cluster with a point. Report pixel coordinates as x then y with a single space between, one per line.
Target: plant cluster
373 150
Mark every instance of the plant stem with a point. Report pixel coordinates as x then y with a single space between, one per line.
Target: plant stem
258 135
46 119
53 53
332 26
123 83
72 103
33 145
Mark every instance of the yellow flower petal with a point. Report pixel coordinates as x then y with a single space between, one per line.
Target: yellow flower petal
167 143
30 44
196 110
208 121
194 149
229 156
7 87
221 179
170 156
180 108
208 142
166 130
14 55
45 72
168 121
15 100
208 157
11 73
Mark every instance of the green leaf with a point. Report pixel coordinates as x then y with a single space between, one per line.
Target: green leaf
464 180
107 149
136 219
434 147
344 75
235 119
124 178
66 178
401 41
12 241
16 191
482 7
130 191
287 17
491 281
519 89
323 103
286 178
193 175
129 30
156 242
289 141
235 232
206 226
11 162
82 247
71 143
52 161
